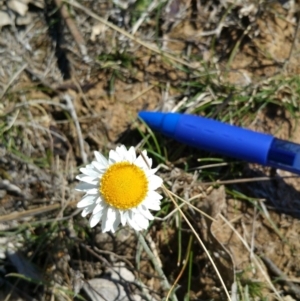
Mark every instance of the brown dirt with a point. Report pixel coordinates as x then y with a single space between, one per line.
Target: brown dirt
107 93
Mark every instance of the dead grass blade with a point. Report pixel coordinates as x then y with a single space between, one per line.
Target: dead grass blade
14 77
167 192
128 35
32 212
254 257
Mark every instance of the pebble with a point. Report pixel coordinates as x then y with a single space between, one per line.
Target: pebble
5 19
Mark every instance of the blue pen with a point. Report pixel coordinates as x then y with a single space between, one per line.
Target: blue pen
228 140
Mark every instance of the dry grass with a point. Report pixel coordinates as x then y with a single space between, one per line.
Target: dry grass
70 87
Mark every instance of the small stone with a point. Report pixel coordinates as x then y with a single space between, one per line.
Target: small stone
6 185
22 21
38 3
99 289
2 193
120 272
5 19
19 6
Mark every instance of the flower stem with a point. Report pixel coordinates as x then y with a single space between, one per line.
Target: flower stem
165 283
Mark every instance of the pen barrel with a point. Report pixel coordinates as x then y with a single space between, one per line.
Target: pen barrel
221 138
233 141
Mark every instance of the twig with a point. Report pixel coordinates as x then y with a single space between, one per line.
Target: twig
10 123
128 35
186 261
72 111
40 78
255 258
15 76
293 42
45 221
35 125
122 258
167 192
139 22
73 29
82 95
31 212
295 289
165 283
38 101
38 141
188 202
140 94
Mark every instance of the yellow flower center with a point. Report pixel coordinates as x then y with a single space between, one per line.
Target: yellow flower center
124 185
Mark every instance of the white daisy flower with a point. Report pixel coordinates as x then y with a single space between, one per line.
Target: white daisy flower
119 190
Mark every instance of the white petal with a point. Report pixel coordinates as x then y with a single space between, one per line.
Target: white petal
133 210
86 201
87 179
131 155
94 191
122 152
132 222
143 161
117 221
107 224
104 218
123 217
151 172
114 157
101 159
145 212
89 172
99 207
89 166
154 195
85 187
87 210
100 168
154 182
148 160
95 219
99 200
152 204
141 221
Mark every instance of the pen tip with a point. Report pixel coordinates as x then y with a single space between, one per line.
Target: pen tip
152 119
163 122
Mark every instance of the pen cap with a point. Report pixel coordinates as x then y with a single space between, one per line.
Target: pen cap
211 135
285 155
223 138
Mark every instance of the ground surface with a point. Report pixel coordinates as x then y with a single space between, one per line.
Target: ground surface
236 61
